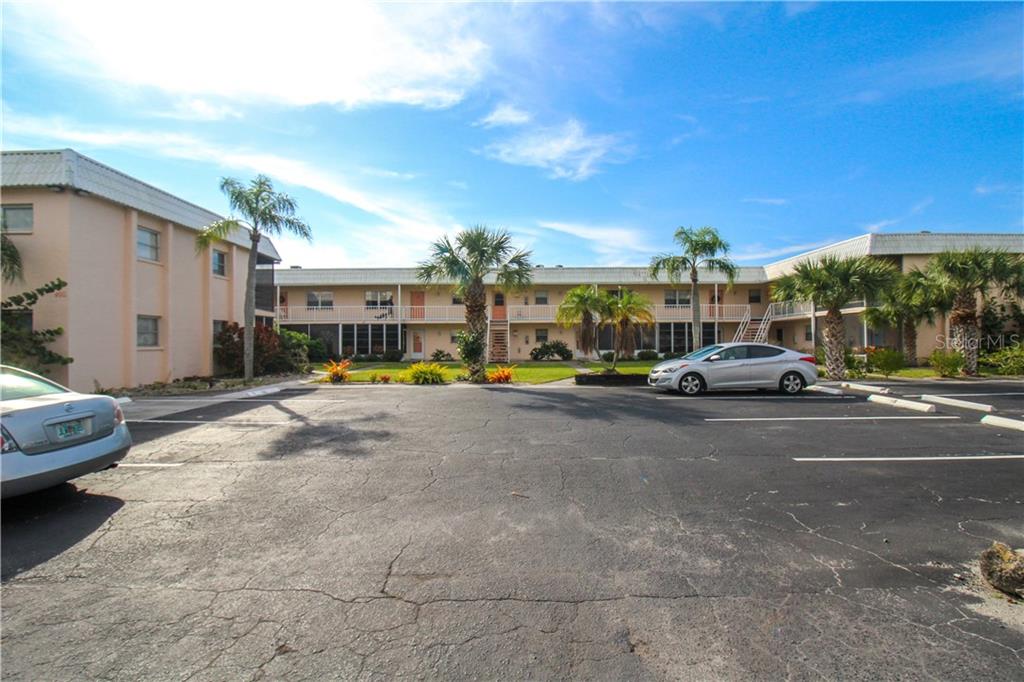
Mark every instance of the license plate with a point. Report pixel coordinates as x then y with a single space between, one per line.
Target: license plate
71 429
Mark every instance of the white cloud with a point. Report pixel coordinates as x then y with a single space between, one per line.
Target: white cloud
916 209
767 201
385 173
565 151
505 115
196 109
985 189
400 231
794 9
458 184
613 245
758 252
345 54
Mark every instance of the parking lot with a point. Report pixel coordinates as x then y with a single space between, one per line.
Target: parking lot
509 532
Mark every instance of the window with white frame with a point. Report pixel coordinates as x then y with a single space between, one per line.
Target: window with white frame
218 327
541 335
457 300
319 299
753 295
147 244
17 217
808 333
147 331
379 299
220 263
540 297
677 297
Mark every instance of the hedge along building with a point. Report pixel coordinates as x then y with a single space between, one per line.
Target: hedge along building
141 305
358 311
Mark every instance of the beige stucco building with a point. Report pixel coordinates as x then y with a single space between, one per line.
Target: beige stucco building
369 311
141 304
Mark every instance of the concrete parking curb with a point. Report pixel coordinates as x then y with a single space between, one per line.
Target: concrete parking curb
818 388
897 402
953 402
865 387
1003 422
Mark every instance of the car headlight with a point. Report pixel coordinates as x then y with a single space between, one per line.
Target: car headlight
669 370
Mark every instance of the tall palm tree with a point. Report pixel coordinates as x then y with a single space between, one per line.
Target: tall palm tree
262 210
961 279
583 307
626 313
830 283
10 260
475 253
904 306
702 248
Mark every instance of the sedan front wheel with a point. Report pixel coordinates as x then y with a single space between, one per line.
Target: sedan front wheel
691 384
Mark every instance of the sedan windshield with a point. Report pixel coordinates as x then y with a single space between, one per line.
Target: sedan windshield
702 353
15 385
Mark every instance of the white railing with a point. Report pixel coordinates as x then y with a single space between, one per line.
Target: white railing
358 313
785 309
532 313
709 312
741 328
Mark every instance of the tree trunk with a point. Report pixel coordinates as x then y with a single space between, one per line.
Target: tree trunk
910 342
476 320
696 333
835 342
587 338
249 333
963 327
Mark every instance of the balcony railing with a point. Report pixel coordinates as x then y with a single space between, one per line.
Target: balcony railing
357 313
532 313
781 310
709 312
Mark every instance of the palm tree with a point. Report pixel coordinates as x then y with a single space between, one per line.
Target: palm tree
904 306
475 253
962 278
702 249
583 307
625 313
263 211
10 260
830 283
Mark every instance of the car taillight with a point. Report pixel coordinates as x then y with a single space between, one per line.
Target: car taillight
8 443
118 415
810 358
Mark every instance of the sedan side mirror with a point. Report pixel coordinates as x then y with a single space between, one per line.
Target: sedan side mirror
714 358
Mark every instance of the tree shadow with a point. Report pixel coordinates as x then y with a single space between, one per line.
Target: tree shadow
39 526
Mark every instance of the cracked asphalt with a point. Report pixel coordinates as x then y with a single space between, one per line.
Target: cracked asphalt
535 532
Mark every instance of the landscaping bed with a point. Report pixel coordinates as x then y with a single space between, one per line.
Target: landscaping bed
602 379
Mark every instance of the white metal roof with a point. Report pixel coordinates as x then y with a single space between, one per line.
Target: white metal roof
67 168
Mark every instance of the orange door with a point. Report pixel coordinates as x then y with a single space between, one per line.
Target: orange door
418 299
498 313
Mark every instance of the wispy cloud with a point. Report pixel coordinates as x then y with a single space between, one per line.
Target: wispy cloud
385 173
754 252
566 151
400 228
347 54
197 109
794 9
505 115
612 245
983 188
458 184
693 129
767 201
914 210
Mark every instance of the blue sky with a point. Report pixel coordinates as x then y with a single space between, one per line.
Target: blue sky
590 131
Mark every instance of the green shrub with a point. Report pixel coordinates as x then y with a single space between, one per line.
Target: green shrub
393 355
441 355
947 363
551 349
1009 360
471 347
886 361
855 368
672 356
425 373
608 357
647 355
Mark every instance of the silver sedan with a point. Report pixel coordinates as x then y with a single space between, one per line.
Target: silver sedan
51 434
736 365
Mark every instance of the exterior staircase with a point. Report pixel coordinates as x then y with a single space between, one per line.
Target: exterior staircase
497 341
749 334
755 330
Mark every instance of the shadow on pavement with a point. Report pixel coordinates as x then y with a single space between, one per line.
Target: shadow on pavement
41 525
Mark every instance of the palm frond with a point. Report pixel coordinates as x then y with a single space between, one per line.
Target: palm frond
10 260
220 230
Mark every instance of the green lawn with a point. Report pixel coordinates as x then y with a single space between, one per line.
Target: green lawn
524 373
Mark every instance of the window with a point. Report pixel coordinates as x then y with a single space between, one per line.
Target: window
220 263
764 352
540 297
456 299
677 297
780 334
147 331
218 327
808 333
147 244
542 335
735 353
17 218
499 298
19 319
453 337
319 299
753 295
379 299
15 385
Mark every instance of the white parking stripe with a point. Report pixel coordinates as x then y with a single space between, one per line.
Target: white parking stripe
938 458
823 398
219 422
237 400
819 419
149 464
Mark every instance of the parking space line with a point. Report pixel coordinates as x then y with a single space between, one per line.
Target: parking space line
149 464
229 422
822 419
823 398
937 458
236 400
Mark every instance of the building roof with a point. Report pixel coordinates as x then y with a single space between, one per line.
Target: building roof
67 168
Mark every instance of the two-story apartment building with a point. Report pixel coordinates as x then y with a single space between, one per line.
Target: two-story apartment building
141 304
368 311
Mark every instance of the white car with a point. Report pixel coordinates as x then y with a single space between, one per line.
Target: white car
51 434
736 365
